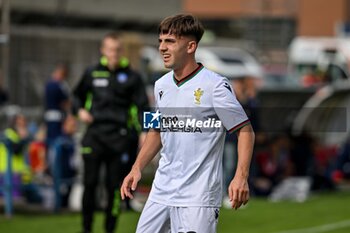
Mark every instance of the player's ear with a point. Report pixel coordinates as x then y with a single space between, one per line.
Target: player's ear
192 46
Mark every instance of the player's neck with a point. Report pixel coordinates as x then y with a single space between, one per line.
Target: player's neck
185 71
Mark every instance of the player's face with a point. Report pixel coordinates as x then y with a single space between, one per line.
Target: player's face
111 49
174 50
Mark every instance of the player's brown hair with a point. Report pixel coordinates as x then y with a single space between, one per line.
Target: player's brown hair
182 25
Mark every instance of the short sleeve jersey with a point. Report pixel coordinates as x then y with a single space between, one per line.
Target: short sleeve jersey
190 166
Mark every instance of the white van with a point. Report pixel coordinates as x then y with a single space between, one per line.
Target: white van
317 54
227 61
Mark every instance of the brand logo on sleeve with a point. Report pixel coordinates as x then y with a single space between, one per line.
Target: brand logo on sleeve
228 86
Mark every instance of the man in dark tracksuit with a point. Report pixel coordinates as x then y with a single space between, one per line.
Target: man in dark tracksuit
102 99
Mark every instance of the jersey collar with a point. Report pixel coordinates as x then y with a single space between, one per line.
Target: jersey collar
188 77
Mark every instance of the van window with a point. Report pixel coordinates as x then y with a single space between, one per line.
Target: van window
231 60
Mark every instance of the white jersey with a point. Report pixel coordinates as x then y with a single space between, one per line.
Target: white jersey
190 167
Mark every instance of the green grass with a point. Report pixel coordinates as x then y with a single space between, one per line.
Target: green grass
265 217
260 216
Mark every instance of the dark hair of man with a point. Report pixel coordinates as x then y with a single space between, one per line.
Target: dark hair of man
112 35
182 25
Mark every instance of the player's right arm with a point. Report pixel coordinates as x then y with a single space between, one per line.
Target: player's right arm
148 151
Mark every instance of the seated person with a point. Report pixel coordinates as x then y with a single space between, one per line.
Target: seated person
18 138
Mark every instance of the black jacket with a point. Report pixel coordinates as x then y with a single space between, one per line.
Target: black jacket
108 96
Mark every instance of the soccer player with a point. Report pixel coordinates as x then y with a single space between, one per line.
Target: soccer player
187 188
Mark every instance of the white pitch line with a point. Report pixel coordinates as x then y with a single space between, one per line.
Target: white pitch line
321 228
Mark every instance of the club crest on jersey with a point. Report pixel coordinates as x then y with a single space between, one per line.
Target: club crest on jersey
122 77
197 96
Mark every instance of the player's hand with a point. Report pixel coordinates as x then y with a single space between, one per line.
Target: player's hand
85 116
238 192
130 184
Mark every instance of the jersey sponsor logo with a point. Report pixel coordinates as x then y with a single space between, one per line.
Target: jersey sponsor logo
151 120
174 124
197 96
179 123
228 87
100 82
188 125
122 77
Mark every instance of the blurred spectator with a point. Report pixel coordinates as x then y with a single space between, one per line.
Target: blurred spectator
37 153
63 166
249 101
18 136
302 155
102 100
324 163
311 79
341 173
272 166
56 102
245 90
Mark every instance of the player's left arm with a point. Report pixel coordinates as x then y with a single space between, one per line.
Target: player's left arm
238 189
